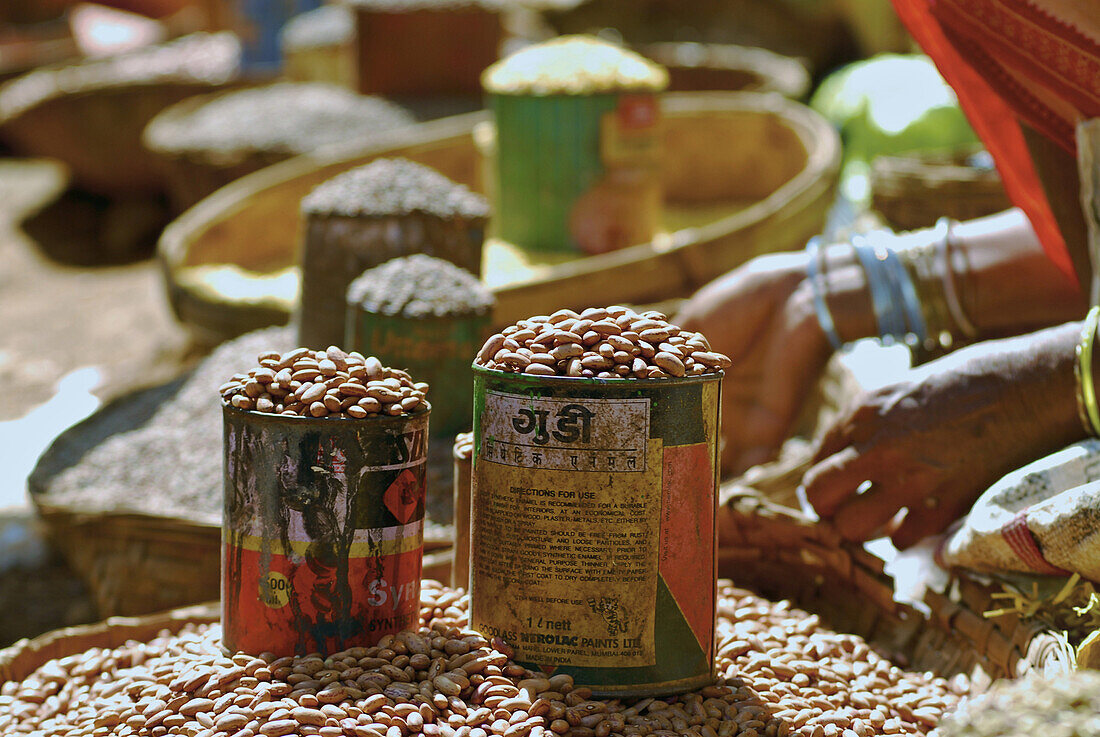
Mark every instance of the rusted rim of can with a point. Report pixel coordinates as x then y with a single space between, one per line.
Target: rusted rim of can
370 420
620 382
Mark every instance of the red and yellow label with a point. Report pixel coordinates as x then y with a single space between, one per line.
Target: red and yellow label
323 535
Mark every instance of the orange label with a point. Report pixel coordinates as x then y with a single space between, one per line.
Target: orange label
630 135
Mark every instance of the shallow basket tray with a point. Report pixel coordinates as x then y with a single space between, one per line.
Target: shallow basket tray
136 563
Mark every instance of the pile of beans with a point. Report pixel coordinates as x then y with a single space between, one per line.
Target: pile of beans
779 673
329 383
603 343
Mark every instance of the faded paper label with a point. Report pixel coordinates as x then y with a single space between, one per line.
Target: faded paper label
567 528
596 435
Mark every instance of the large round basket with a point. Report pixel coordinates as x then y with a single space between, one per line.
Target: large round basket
779 553
697 67
91 115
230 261
135 562
190 176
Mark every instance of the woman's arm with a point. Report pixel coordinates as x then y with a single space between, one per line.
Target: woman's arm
934 443
762 316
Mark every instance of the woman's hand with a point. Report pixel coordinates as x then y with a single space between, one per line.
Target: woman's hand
761 316
934 443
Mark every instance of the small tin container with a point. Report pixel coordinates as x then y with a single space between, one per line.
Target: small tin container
577 166
323 530
593 527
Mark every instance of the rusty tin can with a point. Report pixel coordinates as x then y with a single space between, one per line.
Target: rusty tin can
593 527
323 530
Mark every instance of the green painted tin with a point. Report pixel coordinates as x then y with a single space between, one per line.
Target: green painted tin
432 349
577 172
593 527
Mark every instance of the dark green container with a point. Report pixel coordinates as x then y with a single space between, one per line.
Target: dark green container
553 149
432 349
594 527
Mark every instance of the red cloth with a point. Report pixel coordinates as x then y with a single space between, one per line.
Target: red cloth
1010 60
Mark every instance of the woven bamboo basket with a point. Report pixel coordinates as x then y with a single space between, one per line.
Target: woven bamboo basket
693 66
763 547
136 563
247 231
190 176
22 658
914 190
779 553
94 124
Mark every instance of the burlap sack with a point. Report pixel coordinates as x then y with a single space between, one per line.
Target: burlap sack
1043 518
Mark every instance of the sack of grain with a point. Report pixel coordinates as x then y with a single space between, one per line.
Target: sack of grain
1042 518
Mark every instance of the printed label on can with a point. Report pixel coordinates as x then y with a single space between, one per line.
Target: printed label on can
566 434
323 536
592 553
631 134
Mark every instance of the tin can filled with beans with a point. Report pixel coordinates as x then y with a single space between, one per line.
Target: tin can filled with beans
322 534
594 480
577 147
427 316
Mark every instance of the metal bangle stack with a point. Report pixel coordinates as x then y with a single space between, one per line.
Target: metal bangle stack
913 291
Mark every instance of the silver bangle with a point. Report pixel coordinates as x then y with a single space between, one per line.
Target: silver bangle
888 316
947 276
821 307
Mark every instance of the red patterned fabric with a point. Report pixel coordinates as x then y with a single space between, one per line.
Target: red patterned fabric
1011 60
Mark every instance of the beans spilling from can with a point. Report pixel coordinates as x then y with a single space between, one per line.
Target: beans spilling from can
603 343
781 673
328 383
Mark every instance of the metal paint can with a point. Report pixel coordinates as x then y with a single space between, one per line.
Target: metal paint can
577 172
578 144
593 527
322 534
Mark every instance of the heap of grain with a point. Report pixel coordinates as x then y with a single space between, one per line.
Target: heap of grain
593 504
319 46
427 316
426 47
208 141
781 673
183 432
325 493
578 146
369 215
91 114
